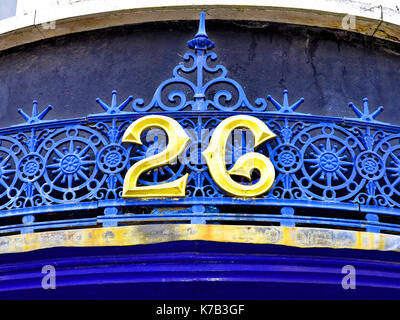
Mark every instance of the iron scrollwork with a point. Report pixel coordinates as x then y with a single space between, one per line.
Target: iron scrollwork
70 165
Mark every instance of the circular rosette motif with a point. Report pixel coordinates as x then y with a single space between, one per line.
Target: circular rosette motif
113 159
31 167
370 165
286 158
389 185
329 154
71 173
155 141
10 151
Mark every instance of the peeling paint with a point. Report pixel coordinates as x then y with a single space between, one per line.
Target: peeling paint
151 234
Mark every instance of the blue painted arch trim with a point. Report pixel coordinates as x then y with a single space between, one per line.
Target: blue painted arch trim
181 270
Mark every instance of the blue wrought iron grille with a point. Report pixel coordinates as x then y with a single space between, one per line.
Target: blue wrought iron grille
330 171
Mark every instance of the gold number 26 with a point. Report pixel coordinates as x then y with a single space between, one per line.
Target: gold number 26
214 155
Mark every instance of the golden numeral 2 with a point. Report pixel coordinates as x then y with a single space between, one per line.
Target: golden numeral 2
177 142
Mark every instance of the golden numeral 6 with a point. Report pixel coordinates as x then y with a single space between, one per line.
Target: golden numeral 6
214 155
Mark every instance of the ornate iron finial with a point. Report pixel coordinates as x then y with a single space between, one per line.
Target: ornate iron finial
366 115
285 108
201 41
197 95
114 108
35 118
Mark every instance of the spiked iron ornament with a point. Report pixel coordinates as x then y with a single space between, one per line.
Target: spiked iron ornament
201 41
285 108
366 115
35 117
114 108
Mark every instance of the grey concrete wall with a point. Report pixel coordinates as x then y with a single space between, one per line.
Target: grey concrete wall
327 68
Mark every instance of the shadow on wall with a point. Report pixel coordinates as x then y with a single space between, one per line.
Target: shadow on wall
8 8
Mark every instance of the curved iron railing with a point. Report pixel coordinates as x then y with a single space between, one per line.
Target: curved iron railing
330 171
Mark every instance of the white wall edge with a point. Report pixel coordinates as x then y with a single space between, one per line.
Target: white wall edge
37 20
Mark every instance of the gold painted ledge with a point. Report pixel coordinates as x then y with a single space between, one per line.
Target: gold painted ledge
152 234
37 20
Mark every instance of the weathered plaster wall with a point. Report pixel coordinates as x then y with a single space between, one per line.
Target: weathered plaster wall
329 69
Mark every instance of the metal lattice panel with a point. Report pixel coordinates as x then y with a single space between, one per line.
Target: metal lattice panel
54 169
